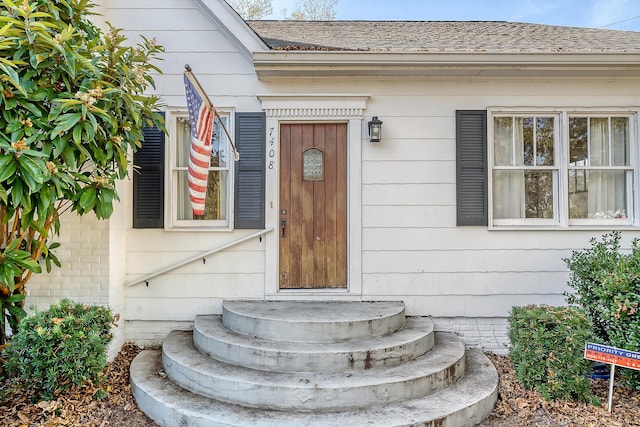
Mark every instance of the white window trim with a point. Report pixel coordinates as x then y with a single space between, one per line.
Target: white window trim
171 223
561 193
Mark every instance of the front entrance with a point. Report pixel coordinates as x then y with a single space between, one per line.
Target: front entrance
313 206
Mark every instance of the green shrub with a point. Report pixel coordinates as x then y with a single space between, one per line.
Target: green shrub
547 346
606 282
62 347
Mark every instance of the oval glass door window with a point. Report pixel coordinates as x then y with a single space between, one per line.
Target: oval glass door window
313 165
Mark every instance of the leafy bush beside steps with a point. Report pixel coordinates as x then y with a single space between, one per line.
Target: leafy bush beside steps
606 281
59 348
547 347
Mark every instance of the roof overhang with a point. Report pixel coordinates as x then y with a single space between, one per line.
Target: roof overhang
232 25
272 65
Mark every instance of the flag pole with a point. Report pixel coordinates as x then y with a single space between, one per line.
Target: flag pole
207 101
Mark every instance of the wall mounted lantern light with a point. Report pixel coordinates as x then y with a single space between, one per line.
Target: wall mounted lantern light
375 129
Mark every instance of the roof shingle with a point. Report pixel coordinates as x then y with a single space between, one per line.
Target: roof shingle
442 36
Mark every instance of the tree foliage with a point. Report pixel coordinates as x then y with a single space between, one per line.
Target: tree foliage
315 10
251 9
305 10
71 110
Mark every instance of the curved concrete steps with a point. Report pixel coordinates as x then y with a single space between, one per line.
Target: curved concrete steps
412 341
317 322
465 403
291 364
309 391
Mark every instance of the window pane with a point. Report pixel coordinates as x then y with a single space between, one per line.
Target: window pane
508 194
313 165
599 141
544 141
216 197
220 150
577 181
503 141
219 144
604 198
524 130
620 143
539 194
183 136
522 194
578 141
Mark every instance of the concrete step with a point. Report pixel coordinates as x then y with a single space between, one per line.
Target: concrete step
311 321
201 374
464 404
212 338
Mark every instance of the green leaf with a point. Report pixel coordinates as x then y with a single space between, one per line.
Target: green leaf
39 15
65 122
88 198
16 311
8 167
37 171
32 108
13 77
29 264
68 155
7 275
16 192
15 298
27 209
4 29
10 103
12 246
77 134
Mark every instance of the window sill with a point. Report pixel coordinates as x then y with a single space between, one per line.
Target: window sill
602 227
199 229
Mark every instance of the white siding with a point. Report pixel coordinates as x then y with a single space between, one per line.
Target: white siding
466 277
189 37
412 249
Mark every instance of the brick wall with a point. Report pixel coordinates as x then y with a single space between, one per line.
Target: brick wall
117 263
84 275
153 332
488 334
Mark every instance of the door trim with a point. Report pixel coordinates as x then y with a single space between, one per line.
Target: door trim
315 109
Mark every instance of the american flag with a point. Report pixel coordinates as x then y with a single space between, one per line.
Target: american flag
201 118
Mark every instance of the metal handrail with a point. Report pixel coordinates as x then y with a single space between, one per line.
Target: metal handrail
145 279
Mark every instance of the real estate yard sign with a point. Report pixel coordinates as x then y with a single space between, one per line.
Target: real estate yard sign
614 357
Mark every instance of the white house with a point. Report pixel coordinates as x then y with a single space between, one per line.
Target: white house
504 147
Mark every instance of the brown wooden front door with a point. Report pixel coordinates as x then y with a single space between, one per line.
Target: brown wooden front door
313 206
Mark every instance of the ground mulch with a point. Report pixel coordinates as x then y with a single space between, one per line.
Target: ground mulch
109 404
515 407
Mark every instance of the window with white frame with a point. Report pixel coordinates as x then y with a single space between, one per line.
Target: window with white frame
600 170
218 207
562 169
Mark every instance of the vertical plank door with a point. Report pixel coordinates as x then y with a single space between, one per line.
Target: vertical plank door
313 206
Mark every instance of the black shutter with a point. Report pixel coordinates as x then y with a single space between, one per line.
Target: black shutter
148 181
250 170
471 167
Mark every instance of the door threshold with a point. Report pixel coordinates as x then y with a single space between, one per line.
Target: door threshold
299 294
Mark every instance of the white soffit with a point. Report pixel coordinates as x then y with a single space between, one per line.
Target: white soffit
288 64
